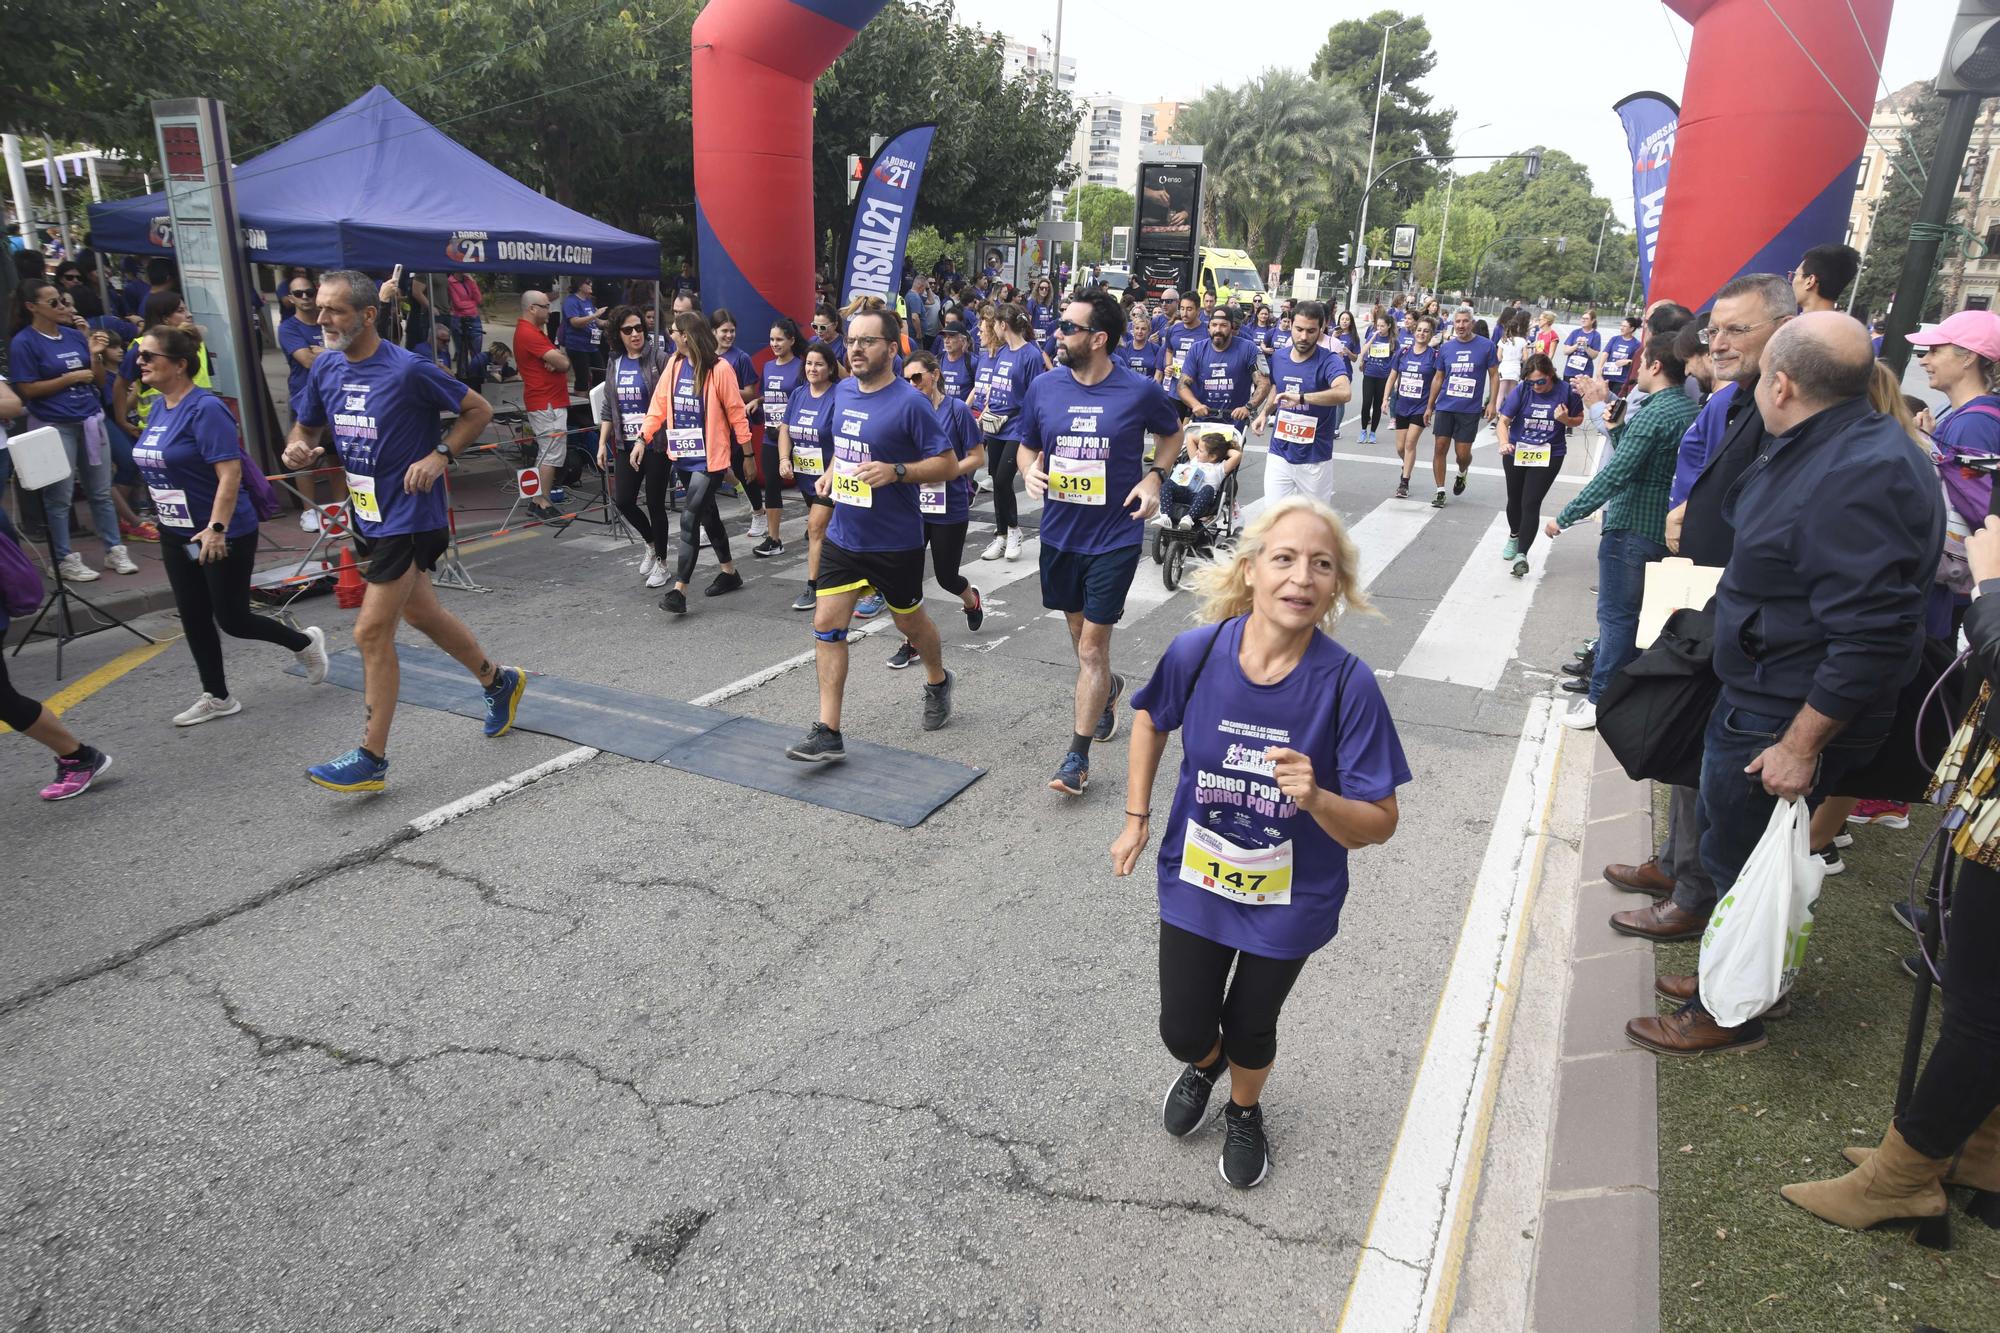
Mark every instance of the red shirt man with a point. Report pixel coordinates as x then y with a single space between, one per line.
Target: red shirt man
541 387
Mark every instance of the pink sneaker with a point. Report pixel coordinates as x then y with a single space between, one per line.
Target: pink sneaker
74 776
1889 814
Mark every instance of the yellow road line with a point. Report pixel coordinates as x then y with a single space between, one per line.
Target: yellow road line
73 694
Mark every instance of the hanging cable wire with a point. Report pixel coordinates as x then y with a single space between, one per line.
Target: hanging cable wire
1860 120
1668 16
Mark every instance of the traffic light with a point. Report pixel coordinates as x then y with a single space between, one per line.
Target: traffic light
1344 247
1972 59
856 169
1533 166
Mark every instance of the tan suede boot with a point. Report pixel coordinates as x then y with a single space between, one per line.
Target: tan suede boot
1896 1183
1977 1165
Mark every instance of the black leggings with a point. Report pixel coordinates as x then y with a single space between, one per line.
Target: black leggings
698 516
1000 461
17 710
1527 487
214 595
656 470
1194 1007
1960 1086
1372 389
774 486
947 543
586 365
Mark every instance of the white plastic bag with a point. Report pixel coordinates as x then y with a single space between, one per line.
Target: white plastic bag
1756 937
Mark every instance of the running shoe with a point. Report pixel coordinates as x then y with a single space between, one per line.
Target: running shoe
975 615
727 581
75 774
206 709
1889 814
806 600
313 656
1073 776
1830 858
1511 549
822 745
1107 721
658 577
355 771
647 563
1403 489
546 513
138 532
1520 566
1458 487
1013 543
1843 840
937 702
1582 716
903 656
1246 1153
503 699
1186 1106
119 561
757 524
870 606
73 570
675 601
1437 501
994 549
309 519
770 546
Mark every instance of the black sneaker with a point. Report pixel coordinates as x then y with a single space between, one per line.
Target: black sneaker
1914 966
1830 857
1458 487
1403 489
1107 722
1907 915
767 548
822 745
1186 1107
975 615
1437 501
937 703
806 600
1581 667
675 601
1246 1153
1577 685
726 581
903 656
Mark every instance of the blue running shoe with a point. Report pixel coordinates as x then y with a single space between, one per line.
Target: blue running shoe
1072 777
503 700
355 771
870 606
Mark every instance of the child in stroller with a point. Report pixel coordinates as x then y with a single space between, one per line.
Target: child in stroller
1193 490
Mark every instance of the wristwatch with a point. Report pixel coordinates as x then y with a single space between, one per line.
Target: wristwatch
899 471
444 448
218 529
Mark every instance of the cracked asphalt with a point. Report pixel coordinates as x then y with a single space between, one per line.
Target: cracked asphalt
632 1049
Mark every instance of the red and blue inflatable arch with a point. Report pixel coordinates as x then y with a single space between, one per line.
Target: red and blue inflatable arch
1767 150
753 67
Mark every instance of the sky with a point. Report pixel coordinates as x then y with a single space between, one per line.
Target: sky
1483 49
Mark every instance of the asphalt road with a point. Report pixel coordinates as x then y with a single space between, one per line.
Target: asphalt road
630 1048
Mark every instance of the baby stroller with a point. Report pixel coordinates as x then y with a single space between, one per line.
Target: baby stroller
1177 538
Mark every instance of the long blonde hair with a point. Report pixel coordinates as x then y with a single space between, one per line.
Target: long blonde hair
1885 395
1222 587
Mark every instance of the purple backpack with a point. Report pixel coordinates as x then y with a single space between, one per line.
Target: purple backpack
20 581
264 499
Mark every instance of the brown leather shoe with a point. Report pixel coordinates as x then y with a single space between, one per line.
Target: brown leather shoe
1690 1031
1648 878
1682 987
1660 921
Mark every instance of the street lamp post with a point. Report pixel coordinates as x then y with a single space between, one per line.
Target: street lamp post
1602 227
1444 226
1361 229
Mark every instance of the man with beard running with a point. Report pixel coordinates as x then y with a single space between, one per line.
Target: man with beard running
1083 442
1468 376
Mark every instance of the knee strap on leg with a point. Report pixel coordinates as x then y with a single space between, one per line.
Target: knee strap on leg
830 635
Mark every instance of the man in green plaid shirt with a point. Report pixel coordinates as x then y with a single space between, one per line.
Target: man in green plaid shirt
1632 489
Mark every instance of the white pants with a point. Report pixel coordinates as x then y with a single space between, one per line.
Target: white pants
1282 479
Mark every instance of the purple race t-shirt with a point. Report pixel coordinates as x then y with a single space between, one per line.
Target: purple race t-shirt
1464 363
384 412
1531 416
1092 438
1329 709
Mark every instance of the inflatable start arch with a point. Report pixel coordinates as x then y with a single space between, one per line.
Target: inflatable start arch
753 67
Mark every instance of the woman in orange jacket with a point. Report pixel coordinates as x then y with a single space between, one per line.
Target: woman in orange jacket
696 415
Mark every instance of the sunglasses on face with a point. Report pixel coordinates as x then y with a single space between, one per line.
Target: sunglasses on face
146 358
300 293
916 377
1541 383
633 328
1067 327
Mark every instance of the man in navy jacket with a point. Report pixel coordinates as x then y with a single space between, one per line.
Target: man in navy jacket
1819 619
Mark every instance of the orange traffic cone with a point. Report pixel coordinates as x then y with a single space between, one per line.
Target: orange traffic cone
348 589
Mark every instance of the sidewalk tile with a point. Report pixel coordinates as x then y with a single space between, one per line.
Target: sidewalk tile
1605 1134
1615 794
1598 1265
1627 837
1595 902
1605 992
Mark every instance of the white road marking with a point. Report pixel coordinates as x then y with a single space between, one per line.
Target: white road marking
1424 465
1386 531
1476 629
1415 1241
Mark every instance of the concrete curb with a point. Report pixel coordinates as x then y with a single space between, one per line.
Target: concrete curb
1597 1264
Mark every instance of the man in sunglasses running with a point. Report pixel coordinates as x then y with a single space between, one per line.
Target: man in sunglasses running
1083 453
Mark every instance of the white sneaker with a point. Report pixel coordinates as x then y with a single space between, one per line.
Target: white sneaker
75 571
1013 543
992 552
647 563
658 578
757 523
119 561
309 520
206 709
312 657
985 482
1581 717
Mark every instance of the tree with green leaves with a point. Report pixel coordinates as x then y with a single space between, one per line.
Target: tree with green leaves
1545 242
1896 212
1274 149
1097 209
